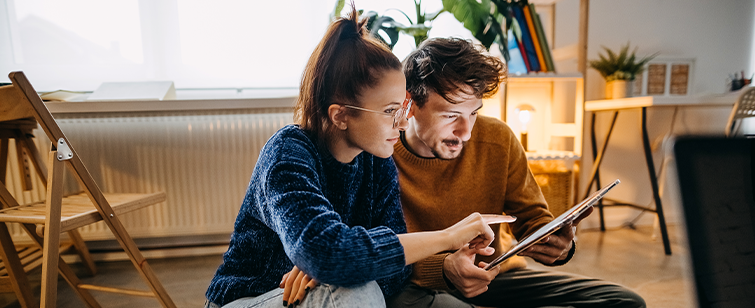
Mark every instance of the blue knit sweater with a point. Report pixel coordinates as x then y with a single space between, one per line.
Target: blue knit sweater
337 222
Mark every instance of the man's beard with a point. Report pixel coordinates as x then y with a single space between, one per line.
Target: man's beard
449 142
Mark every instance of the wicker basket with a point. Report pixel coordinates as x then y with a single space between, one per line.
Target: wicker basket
557 183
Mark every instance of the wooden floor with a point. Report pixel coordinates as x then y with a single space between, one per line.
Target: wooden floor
626 256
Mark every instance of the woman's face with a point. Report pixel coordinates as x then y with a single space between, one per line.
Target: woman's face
374 132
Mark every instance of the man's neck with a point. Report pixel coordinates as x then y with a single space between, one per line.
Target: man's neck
417 144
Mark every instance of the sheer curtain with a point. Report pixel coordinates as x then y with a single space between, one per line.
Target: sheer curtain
78 44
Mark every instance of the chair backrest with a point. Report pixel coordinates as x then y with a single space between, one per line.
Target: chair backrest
744 107
29 102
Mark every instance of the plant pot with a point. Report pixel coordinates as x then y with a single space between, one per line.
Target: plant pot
619 89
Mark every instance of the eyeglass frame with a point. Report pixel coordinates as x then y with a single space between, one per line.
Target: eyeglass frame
403 111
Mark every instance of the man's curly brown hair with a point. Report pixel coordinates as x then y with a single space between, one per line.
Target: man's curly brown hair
446 65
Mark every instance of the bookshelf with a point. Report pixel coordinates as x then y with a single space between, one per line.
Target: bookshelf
554 133
558 102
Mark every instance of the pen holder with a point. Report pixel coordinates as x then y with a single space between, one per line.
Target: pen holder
737 84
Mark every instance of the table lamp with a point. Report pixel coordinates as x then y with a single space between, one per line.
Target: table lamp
524 111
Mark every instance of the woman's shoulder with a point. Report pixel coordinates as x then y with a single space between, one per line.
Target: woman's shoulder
289 137
288 142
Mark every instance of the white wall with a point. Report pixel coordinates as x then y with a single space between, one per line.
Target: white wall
717 34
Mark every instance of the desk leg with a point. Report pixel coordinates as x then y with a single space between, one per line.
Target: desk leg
597 160
654 182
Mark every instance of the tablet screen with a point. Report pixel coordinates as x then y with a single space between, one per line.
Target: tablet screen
554 225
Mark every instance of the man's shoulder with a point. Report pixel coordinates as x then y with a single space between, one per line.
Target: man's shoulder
491 130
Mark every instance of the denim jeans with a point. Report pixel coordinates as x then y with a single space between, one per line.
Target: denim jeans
322 296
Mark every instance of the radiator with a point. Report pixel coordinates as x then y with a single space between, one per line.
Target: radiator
202 161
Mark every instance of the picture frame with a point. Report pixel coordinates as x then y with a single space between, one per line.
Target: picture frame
665 76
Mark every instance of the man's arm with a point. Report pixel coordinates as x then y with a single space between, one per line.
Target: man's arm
558 248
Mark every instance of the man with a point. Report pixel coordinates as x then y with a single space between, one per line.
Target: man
453 162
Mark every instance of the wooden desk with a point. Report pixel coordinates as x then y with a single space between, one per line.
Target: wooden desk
643 103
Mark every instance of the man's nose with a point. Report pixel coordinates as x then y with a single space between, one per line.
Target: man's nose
463 128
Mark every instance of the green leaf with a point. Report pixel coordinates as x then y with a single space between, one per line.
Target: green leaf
432 16
337 10
383 28
472 14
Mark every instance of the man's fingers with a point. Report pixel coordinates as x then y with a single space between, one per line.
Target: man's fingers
487 251
583 215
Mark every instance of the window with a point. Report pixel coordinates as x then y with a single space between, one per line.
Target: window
78 44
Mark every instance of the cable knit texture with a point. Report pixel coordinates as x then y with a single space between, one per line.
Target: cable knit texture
490 176
336 222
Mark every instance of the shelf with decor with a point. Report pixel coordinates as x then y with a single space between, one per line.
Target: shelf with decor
552 106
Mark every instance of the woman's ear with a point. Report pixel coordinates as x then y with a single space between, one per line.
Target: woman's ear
337 115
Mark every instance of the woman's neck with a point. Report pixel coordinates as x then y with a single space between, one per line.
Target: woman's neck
342 150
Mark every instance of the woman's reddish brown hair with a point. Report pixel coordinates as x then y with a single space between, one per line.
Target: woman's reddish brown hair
345 62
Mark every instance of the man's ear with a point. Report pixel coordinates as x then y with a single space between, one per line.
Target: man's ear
337 115
410 112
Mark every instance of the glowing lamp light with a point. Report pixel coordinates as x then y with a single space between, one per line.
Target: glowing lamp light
524 112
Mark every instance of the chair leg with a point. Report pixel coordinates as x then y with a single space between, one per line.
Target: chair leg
51 244
64 270
18 278
3 158
83 251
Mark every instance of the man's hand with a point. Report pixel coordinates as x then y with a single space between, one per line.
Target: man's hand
470 279
296 284
556 246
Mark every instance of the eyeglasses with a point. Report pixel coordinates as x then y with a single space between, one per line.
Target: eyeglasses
397 115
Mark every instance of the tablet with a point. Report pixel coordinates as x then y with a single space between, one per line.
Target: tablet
553 226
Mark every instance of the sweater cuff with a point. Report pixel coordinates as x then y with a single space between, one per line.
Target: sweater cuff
428 273
568 257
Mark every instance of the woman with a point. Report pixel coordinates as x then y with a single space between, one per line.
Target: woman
324 197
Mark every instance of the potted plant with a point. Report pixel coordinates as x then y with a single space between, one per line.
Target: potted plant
386 29
619 70
487 20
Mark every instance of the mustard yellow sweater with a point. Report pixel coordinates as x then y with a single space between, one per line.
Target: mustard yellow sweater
491 176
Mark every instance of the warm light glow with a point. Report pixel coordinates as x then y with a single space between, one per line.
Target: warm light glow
525 115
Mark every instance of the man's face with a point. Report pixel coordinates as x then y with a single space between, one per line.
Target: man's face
440 128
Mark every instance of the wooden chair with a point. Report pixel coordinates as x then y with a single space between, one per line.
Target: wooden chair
26 154
744 107
44 221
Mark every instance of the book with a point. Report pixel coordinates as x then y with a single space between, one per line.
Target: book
543 40
528 16
516 64
518 36
529 48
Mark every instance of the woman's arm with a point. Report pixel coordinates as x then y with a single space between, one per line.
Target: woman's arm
473 230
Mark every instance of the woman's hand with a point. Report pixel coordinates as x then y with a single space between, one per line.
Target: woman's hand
296 284
472 230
